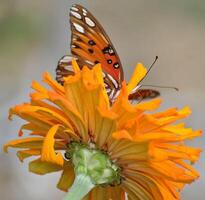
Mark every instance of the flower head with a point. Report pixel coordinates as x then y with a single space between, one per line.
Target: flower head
121 148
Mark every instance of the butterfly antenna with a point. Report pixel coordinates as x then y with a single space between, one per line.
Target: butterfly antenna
152 65
159 86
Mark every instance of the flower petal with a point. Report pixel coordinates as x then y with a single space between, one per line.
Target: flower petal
138 75
35 143
67 177
48 152
41 167
149 105
105 193
53 84
122 134
139 192
22 154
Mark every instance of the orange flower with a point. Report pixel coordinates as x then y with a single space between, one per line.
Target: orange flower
147 151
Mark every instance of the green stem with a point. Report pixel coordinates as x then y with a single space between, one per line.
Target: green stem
81 186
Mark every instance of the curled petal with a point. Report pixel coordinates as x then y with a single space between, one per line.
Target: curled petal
48 152
67 177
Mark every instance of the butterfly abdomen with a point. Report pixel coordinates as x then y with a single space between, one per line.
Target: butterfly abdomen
142 94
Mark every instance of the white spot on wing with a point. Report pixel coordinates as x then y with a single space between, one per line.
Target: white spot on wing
89 62
79 28
76 15
106 85
66 59
58 75
111 51
74 8
89 22
84 12
111 94
104 75
116 94
69 67
108 90
113 81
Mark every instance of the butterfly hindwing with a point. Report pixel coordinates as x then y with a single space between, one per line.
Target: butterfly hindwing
64 68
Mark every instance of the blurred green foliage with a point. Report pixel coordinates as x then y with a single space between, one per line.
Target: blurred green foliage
17 33
17 27
193 9
20 33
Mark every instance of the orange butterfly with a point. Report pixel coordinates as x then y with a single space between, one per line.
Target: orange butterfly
91 45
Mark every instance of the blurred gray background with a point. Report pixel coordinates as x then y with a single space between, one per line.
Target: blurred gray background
35 34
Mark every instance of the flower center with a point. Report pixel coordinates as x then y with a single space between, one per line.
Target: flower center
93 163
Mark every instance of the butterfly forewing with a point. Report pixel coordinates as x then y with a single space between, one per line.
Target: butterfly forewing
91 45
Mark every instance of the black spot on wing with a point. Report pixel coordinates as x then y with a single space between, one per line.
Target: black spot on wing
109 61
91 51
91 42
105 50
108 50
116 65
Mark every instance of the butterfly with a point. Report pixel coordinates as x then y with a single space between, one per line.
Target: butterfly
91 45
